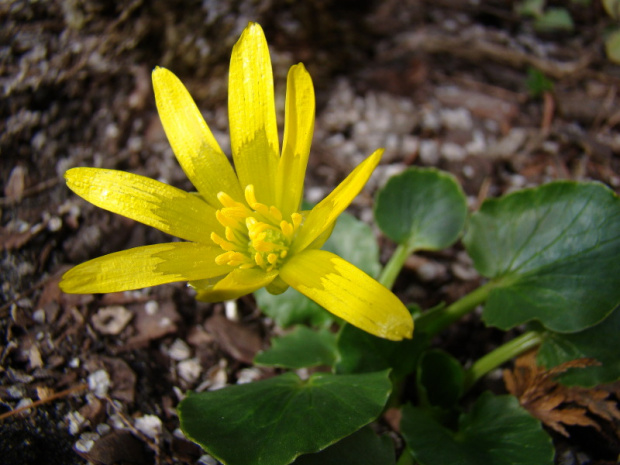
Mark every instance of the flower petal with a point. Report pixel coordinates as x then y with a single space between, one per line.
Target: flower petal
348 293
325 212
141 267
298 130
237 284
192 142
252 114
151 202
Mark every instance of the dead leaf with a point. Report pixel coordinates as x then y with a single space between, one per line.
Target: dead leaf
14 188
116 447
557 405
237 340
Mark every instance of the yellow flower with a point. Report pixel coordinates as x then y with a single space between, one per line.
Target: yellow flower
243 230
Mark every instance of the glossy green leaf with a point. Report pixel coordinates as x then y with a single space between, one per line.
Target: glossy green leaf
361 352
554 19
363 447
273 421
612 46
440 379
554 254
612 7
352 240
532 8
498 431
301 348
291 308
599 342
422 208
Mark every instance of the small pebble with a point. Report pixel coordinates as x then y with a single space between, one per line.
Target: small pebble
453 152
149 425
189 370
248 375
99 383
38 316
429 152
179 350
151 307
206 460
111 320
75 420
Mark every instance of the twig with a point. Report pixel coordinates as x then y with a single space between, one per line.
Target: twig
58 395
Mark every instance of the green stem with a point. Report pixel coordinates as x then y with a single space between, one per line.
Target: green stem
437 320
501 355
393 266
406 458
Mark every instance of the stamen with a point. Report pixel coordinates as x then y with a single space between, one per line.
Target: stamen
275 213
230 234
224 244
297 220
254 236
287 229
225 219
226 200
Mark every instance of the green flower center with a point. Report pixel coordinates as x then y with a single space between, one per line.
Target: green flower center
254 236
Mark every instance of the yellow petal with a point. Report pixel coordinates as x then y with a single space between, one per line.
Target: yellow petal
348 293
325 212
151 202
199 154
141 267
252 114
237 284
298 130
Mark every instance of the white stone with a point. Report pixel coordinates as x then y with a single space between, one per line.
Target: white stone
189 370
179 350
429 152
99 383
453 152
149 425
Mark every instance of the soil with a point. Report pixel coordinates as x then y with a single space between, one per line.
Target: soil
438 83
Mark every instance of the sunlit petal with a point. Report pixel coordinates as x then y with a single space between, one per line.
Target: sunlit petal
348 293
151 202
144 267
199 154
298 130
236 284
325 212
252 114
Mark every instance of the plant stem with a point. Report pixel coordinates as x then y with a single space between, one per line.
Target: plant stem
437 320
500 355
393 266
406 458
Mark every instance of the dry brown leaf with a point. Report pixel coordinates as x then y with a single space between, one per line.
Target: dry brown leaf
557 405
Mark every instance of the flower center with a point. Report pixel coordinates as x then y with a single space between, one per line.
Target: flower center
254 236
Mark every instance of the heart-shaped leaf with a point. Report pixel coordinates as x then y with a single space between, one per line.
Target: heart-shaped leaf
554 254
498 431
273 421
354 241
598 342
301 348
421 208
361 352
440 379
363 447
